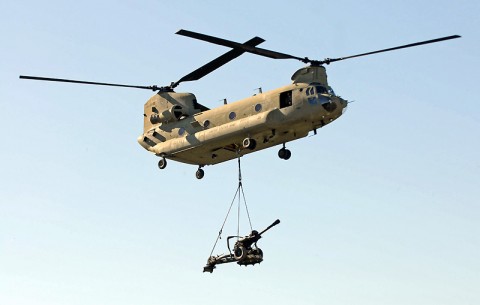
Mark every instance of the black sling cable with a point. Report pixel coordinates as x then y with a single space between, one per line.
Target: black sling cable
224 221
238 191
239 188
238 210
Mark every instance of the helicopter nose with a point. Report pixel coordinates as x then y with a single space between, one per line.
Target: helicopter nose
344 105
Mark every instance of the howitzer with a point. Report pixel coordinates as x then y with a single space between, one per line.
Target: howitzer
243 252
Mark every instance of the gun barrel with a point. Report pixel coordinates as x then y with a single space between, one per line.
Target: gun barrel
276 222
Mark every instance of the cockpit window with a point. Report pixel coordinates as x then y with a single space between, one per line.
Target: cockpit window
316 88
321 89
329 105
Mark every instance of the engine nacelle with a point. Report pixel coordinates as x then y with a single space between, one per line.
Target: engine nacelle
173 114
166 107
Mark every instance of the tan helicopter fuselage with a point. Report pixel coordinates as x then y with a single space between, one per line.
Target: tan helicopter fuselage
176 127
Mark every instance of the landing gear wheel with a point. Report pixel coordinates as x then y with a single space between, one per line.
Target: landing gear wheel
200 173
284 153
162 163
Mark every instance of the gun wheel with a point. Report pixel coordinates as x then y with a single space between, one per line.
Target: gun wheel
240 253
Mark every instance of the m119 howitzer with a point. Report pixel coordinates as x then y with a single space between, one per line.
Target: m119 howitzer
245 251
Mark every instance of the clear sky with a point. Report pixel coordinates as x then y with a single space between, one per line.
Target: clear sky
380 207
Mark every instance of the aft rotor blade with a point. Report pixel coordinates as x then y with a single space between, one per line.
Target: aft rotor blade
329 60
218 62
236 45
154 88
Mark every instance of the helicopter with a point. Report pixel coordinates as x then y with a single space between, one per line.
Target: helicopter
178 128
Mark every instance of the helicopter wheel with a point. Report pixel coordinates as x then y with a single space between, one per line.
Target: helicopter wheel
162 163
284 153
200 173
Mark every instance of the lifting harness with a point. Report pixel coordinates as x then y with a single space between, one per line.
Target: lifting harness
245 251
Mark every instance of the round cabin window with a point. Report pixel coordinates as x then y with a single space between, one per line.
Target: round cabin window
258 107
206 124
232 115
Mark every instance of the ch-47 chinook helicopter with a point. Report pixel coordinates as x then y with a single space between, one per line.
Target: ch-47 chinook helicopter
177 127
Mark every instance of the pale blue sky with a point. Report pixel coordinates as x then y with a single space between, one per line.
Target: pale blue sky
381 207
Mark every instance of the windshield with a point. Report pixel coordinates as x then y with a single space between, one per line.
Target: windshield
330 91
320 95
321 89
317 88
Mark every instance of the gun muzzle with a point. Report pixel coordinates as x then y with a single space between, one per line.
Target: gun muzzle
276 222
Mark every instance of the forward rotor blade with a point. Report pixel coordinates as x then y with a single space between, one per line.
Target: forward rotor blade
329 60
236 45
154 88
218 62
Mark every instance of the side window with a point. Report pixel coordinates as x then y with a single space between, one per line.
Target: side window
309 91
286 99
